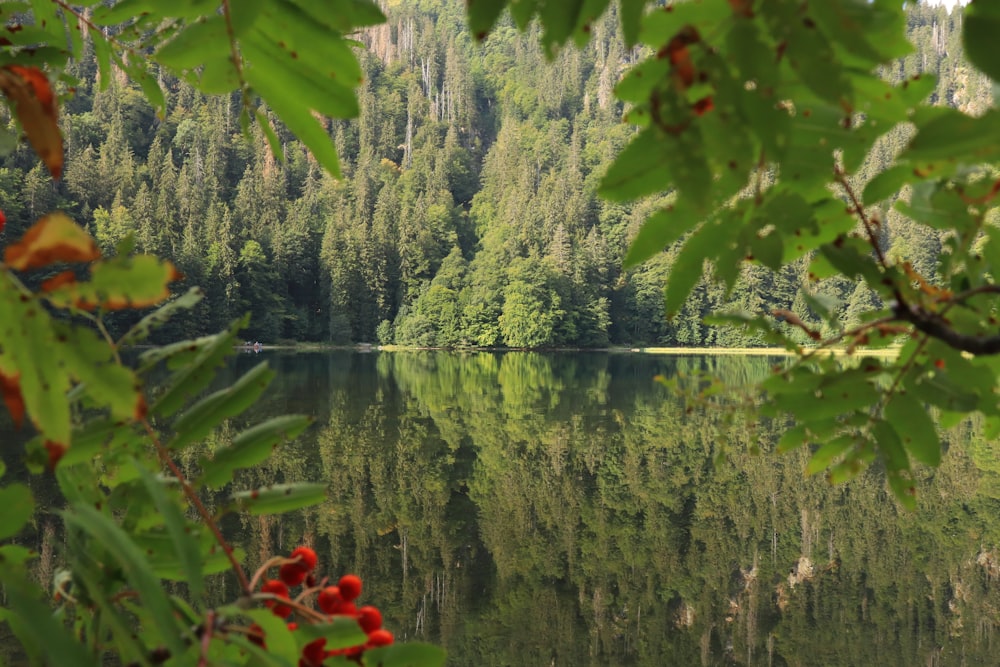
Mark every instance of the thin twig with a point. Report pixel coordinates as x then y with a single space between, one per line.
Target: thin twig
869 226
200 507
294 604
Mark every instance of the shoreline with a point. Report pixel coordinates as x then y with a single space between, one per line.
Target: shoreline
656 350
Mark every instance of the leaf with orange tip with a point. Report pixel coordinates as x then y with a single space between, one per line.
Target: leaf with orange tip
54 238
34 105
11 390
116 284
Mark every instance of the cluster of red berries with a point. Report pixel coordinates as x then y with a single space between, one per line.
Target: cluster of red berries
332 601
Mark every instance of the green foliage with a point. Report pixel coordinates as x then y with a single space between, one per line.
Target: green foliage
762 120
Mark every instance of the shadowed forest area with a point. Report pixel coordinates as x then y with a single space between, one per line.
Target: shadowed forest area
467 215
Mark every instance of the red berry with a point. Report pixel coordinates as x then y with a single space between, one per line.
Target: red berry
346 609
275 587
314 653
329 599
370 619
256 636
293 626
3 220
380 638
292 573
350 586
307 557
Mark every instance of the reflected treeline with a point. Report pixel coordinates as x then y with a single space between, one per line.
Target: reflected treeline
565 509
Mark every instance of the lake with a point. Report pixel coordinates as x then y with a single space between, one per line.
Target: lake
566 509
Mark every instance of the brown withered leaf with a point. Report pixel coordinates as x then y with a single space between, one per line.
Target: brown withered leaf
54 238
35 107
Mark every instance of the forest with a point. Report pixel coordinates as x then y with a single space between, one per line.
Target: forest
467 213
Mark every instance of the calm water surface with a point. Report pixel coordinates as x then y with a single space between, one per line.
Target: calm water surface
565 509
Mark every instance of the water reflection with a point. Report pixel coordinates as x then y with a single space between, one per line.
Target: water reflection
564 509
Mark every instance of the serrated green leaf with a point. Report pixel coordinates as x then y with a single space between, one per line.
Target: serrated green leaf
182 541
141 329
199 420
410 654
90 360
280 498
134 565
916 429
18 506
206 357
250 448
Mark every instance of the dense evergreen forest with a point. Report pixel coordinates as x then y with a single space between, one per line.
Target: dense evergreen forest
467 213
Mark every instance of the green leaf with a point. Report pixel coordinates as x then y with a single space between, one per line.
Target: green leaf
134 565
909 418
687 270
280 642
641 169
298 117
18 506
410 654
340 632
630 12
203 41
250 448
948 133
199 420
793 438
979 35
91 361
181 537
36 627
482 15
141 329
829 452
102 53
887 183
197 373
890 447
661 229
280 498
272 139
28 340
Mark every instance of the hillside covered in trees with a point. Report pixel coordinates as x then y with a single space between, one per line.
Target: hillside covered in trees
467 213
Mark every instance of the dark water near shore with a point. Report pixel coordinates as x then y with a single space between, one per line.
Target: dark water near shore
565 509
